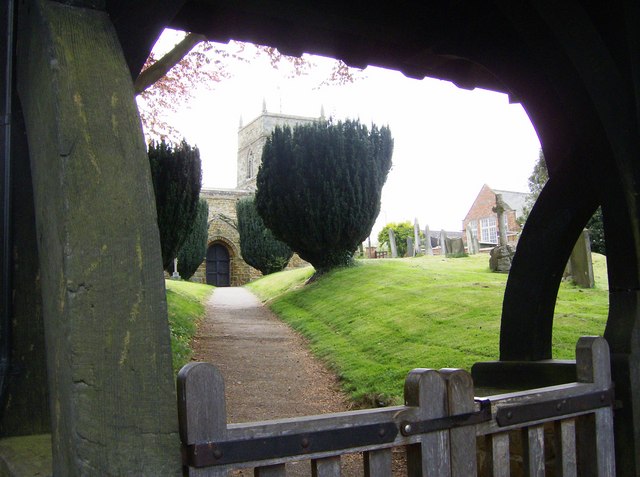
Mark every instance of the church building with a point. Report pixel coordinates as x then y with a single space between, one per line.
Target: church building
224 265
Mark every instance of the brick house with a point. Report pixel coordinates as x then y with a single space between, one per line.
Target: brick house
483 221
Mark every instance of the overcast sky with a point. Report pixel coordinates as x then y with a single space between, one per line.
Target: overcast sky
448 141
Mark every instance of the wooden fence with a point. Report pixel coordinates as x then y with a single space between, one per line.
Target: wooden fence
439 425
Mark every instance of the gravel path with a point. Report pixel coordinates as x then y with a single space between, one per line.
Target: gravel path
268 371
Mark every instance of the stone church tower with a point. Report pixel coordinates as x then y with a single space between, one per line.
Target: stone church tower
223 265
251 140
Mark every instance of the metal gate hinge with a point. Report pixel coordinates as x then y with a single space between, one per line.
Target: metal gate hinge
408 428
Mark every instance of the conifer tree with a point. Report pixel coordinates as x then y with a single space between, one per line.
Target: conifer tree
258 246
176 174
319 187
194 248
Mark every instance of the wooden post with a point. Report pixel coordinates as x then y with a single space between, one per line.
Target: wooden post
202 410
108 349
277 470
327 467
595 432
426 389
377 463
498 461
462 439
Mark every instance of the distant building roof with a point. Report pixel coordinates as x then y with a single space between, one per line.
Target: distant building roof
514 200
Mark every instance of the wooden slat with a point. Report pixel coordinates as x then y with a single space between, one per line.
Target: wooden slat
328 467
377 463
426 389
533 451
202 410
499 457
462 439
596 452
605 449
270 471
565 447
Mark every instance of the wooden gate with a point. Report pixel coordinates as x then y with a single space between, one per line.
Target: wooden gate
218 265
439 426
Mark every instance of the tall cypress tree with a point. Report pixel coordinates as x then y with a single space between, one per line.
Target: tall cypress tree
319 187
176 172
258 246
194 248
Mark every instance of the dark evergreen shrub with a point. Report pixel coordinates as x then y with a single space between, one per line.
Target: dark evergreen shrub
176 174
258 246
194 248
319 187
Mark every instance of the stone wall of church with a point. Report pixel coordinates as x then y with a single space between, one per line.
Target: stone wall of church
251 141
222 216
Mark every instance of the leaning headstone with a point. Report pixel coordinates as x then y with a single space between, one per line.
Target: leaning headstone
428 249
443 243
470 243
455 246
410 250
392 244
416 237
580 262
502 255
476 244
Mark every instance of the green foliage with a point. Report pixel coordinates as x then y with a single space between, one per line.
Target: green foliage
185 304
373 323
194 248
258 246
402 231
596 232
176 174
319 187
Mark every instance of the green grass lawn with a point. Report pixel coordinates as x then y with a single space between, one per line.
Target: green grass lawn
185 303
374 322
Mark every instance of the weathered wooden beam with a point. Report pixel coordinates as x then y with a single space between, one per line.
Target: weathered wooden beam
108 349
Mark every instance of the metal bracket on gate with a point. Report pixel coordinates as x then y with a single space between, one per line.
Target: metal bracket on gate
520 413
408 428
255 449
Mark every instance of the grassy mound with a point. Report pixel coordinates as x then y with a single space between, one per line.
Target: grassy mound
374 322
185 303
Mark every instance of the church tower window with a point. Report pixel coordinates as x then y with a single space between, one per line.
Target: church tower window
250 165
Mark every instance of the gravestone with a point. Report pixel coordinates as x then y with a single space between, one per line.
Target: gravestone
501 256
443 242
428 249
392 244
416 238
471 249
580 265
410 250
455 246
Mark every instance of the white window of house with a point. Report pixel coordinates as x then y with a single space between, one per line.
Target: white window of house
489 230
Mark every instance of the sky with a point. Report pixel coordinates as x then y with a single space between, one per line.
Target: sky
448 142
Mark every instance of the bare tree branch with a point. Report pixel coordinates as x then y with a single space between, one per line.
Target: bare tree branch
161 67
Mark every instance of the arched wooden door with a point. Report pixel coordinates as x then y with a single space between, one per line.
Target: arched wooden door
218 266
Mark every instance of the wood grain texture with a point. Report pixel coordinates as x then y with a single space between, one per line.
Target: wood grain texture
277 470
108 347
463 439
426 389
565 446
327 467
533 451
377 463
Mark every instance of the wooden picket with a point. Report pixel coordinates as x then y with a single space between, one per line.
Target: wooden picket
438 425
